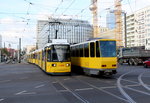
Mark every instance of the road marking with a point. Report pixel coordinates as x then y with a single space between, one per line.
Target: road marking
1 100
83 89
29 93
122 91
5 81
142 83
103 90
108 87
146 93
40 86
130 81
20 92
24 92
63 90
67 79
54 82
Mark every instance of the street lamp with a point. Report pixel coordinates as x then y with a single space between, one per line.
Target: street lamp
19 50
56 31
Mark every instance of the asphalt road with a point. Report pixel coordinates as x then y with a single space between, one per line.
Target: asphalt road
26 83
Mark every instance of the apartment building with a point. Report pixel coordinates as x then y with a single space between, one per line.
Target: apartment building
138 28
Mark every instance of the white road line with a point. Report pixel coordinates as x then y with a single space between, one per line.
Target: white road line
146 93
104 91
40 86
108 87
130 81
63 90
67 79
122 90
1 100
142 83
83 89
29 93
134 85
20 92
54 82
5 81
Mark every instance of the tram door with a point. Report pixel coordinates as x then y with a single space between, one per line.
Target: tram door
44 60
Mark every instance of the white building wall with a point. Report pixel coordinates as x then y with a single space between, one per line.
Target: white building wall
138 28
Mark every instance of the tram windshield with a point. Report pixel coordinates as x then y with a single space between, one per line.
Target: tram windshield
108 48
60 53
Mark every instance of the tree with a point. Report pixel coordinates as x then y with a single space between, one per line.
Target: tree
5 51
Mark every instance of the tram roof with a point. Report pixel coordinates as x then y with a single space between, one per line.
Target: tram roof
93 40
57 41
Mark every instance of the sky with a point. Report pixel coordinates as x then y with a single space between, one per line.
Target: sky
18 18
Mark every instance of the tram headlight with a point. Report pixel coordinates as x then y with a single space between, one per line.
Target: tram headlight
53 65
67 65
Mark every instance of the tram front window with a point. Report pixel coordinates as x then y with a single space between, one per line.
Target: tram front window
60 53
108 48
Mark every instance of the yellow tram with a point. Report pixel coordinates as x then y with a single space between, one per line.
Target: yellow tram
95 57
54 58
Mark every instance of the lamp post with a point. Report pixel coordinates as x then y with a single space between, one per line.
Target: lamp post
19 61
56 31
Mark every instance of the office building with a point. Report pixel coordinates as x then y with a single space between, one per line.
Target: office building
75 31
110 19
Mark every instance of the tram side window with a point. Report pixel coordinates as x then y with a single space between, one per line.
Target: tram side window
43 55
49 55
81 50
86 50
92 49
97 49
34 56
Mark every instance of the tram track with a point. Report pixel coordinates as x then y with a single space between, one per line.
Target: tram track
138 84
122 91
102 90
142 83
120 87
74 93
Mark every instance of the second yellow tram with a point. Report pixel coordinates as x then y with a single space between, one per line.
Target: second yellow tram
97 57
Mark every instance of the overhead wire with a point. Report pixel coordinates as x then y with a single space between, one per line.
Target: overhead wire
68 7
130 6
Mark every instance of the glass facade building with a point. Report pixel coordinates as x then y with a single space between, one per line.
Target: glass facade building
75 31
110 18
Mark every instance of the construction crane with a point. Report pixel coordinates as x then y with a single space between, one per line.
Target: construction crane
118 28
94 10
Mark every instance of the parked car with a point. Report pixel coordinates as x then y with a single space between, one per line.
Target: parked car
146 63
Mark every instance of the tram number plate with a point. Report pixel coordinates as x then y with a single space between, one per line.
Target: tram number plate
61 65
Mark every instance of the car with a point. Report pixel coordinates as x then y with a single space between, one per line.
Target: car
146 63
